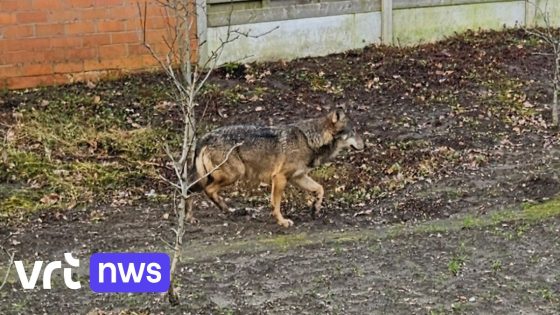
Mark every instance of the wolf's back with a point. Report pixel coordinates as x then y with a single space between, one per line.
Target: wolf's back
213 148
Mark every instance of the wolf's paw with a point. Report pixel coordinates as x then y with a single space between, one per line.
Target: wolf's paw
286 223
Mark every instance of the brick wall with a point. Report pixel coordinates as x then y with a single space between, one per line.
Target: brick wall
44 42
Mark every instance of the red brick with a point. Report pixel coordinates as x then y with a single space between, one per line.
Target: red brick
137 49
95 14
82 3
110 2
157 23
15 5
69 67
7 18
31 17
34 44
92 65
125 12
81 54
134 25
42 30
126 37
104 64
140 62
155 36
80 28
47 4
18 31
96 40
113 51
132 62
9 71
66 41
33 81
36 69
21 57
110 26
7 58
153 23
60 16
55 55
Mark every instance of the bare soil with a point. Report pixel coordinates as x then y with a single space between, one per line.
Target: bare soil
454 130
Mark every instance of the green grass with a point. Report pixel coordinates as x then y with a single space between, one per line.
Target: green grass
75 150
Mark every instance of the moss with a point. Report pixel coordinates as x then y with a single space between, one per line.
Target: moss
19 201
63 149
285 242
541 211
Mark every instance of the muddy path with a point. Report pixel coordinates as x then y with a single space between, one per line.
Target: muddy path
501 264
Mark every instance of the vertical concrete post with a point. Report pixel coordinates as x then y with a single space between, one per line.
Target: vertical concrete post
202 30
531 13
387 22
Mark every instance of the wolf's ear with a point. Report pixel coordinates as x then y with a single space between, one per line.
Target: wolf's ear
336 116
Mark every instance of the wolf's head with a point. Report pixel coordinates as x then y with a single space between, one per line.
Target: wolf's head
343 131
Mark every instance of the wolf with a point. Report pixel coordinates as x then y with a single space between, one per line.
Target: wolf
275 155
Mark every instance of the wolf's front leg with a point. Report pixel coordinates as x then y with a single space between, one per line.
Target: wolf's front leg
278 184
307 183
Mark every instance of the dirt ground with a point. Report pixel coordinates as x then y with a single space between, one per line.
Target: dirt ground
431 218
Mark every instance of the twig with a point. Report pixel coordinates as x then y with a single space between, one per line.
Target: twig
10 263
216 167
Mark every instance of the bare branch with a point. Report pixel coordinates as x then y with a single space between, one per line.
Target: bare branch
216 167
169 182
553 40
188 78
10 263
168 244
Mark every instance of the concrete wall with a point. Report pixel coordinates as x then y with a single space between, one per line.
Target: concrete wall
552 6
410 27
413 22
299 37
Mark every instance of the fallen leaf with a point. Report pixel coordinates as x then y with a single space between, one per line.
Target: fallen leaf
50 199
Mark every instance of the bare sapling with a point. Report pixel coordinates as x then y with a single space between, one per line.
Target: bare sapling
188 72
10 263
552 39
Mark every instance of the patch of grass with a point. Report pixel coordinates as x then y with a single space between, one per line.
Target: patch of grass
72 149
432 228
324 171
496 266
470 222
502 216
285 242
537 212
457 262
547 294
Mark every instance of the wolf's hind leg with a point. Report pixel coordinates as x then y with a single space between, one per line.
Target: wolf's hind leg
212 193
307 183
278 184
219 180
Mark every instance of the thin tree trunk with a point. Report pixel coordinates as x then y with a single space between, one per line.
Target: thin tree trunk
556 87
185 206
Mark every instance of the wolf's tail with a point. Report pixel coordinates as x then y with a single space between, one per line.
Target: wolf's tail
202 165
